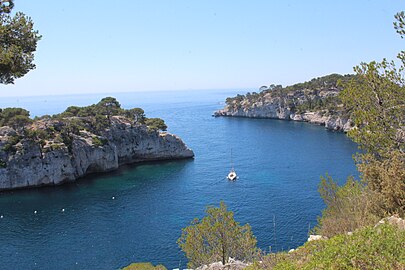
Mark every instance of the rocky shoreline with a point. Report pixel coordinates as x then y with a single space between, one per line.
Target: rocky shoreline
331 122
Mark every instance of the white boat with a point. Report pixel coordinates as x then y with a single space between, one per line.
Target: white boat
232 174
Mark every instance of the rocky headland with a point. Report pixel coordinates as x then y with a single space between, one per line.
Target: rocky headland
316 102
52 150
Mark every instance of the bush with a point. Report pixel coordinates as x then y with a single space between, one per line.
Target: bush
98 142
9 147
348 207
387 179
3 164
8 116
137 114
369 248
155 124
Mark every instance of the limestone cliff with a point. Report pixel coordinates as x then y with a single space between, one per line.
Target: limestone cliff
315 102
27 160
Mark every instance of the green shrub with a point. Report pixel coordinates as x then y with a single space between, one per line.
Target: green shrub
348 207
9 116
386 177
3 164
369 248
366 249
99 141
57 146
67 140
155 124
9 147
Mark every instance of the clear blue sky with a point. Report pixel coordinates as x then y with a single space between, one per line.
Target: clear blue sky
129 45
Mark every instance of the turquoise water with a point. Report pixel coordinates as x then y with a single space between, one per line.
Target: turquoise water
279 164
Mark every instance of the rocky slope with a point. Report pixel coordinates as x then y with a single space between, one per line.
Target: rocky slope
315 102
27 161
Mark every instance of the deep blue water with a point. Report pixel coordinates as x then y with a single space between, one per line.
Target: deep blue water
279 164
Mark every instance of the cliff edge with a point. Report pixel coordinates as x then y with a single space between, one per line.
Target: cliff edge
59 149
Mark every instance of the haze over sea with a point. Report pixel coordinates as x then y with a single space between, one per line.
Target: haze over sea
137 213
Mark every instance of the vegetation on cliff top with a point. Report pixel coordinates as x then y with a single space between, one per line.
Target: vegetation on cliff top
317 94
59 130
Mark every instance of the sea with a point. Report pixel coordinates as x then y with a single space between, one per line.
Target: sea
136 214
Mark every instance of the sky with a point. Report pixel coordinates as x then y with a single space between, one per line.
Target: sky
100 46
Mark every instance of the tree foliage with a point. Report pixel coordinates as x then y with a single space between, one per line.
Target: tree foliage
375 99
6 6
14 117
18 42
386 178
155 124
109 106
376 102
137 114
217 237
399 24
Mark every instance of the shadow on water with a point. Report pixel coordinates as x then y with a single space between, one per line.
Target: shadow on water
96 176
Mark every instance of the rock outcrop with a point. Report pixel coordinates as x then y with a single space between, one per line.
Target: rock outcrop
393 220
231 265
315 237
52 163
315 102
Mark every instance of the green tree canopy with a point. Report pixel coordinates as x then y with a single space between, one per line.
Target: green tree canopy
376 101
137 114
109 106
18 42
217 237
6 6
155 124
14 117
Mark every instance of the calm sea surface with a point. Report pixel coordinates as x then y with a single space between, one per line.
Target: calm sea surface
279 164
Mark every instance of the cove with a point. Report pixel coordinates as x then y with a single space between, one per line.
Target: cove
136 213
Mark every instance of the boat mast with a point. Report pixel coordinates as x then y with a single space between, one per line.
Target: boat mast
231 161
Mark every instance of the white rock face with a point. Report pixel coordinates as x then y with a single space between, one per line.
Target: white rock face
274 111
231 265
315 237
30 166
393 220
